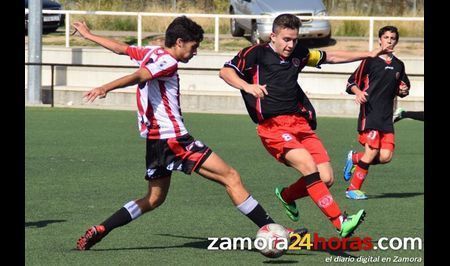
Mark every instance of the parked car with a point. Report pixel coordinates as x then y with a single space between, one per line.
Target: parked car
50 22
260 29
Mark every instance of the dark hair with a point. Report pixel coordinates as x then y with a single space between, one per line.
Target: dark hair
184 28
286 21
388 28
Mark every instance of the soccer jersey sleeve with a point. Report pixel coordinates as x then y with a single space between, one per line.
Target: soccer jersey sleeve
358 77
245 59
404 80
163 66
137 53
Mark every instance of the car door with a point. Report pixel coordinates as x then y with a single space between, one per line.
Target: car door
243 7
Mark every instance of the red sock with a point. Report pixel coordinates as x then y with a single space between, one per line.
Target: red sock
336 222
320 194
295 191
358 177
356 156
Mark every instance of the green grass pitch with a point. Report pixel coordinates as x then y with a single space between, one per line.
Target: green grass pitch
82 165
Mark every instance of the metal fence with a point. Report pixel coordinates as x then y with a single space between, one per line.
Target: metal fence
216 18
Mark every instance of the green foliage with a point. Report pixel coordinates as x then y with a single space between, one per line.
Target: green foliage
376 7
350 28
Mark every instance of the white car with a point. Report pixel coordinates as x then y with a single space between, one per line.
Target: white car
260 29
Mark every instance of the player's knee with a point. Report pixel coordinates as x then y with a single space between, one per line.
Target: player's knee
156 200
385 157
233 179
328 179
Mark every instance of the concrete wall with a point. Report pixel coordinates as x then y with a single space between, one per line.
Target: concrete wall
203 91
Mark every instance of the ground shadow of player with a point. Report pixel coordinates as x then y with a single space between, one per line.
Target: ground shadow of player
204 243
280 261
43 223
201 243
396 195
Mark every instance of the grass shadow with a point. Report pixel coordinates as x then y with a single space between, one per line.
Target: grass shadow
275 261
396 195
203 243
43 223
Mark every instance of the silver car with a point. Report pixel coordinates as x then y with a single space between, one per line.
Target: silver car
260 29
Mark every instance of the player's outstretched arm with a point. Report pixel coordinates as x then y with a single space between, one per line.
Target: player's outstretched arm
141 75
110 44
337 57
229 76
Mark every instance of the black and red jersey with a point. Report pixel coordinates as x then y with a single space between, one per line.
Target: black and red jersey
381 79
260 64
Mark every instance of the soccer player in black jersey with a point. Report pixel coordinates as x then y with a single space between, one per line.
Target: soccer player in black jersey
267 76
375 83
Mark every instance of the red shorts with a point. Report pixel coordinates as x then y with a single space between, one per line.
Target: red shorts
377 139
281 133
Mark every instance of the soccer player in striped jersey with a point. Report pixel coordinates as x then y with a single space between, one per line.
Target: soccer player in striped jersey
375 84
169 145
267 75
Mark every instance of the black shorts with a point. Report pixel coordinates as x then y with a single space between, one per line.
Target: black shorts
174 154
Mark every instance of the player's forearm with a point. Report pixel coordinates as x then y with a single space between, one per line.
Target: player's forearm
355 89
336 57
110 44
231 78
123 82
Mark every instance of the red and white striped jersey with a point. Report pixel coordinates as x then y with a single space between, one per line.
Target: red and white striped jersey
158 100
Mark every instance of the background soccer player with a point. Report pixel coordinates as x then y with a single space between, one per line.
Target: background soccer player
267 76
375 83
169 145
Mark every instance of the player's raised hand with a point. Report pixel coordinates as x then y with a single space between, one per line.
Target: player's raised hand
380 51
257 90
91 95
81 27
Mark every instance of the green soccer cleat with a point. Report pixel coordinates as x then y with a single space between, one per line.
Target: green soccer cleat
350 223
290 208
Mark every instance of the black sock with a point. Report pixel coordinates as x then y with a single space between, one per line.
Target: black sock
259 216
363 165
119 218
375 160
253 210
